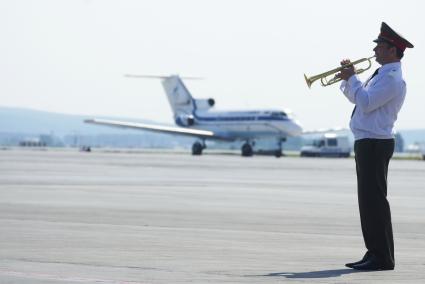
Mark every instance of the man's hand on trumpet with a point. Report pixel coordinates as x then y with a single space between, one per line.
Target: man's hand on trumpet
347 72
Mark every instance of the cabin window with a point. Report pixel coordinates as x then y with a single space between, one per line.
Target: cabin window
332 142
319 143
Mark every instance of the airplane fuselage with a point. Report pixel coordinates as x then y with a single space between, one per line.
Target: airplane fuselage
244 124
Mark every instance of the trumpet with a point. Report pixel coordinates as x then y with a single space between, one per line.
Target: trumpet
323 76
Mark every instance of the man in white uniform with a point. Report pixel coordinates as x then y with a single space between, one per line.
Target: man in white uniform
377 103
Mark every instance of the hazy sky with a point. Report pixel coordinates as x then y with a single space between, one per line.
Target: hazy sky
70 56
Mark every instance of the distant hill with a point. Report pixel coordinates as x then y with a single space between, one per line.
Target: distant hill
413 136
20 120
18 124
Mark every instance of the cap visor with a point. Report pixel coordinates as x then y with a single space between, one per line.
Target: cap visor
378 40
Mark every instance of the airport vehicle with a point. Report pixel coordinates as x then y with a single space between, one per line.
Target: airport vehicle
328 145
195 117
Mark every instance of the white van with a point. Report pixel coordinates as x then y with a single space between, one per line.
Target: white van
328 145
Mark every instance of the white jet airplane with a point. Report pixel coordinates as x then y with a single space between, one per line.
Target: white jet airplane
195 118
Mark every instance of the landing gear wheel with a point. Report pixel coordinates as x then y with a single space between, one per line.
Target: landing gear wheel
247 150
278 152
197 149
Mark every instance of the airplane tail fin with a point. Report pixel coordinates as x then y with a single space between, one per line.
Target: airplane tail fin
180 99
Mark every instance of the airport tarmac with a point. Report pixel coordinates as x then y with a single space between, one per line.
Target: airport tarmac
151 217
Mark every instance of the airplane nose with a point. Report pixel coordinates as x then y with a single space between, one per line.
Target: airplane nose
297 129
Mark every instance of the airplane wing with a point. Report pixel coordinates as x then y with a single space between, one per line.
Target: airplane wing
325 130
158 128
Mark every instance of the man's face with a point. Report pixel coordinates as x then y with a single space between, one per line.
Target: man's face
384 53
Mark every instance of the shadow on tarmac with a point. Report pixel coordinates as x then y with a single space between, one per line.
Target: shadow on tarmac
314 274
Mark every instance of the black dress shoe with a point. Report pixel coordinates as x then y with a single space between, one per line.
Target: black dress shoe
372 263
365 257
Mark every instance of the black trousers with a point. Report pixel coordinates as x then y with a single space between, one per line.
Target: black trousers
372 159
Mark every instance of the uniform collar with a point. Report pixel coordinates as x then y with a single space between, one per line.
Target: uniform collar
390 66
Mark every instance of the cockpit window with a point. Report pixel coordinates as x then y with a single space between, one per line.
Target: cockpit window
279 114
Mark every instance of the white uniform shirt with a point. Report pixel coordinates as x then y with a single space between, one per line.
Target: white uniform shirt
377 102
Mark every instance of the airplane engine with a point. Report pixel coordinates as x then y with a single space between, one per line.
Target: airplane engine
185 120
204 104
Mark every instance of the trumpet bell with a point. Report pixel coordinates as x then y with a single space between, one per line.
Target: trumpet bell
308 81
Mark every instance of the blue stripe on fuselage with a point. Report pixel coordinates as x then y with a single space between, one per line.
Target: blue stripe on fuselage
240 118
